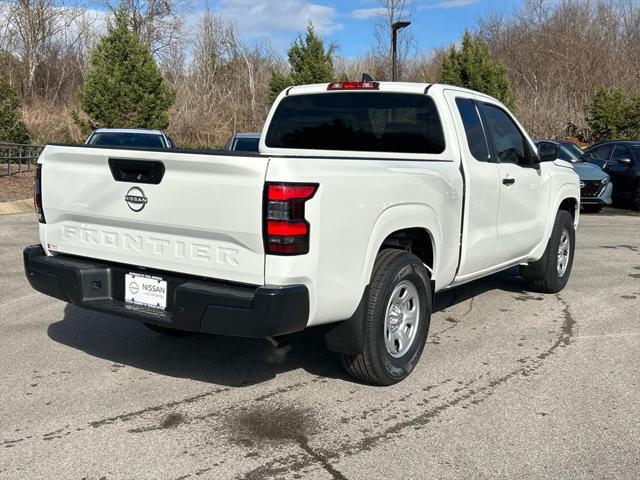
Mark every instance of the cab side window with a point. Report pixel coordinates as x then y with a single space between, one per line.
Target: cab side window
620 152
564 154
476 138
510 144
602 152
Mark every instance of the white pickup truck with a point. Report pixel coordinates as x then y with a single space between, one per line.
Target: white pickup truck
364 201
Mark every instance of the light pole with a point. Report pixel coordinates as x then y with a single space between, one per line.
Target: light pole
394 47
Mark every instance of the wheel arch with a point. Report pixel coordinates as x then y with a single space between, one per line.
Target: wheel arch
410 227
567 199
413 227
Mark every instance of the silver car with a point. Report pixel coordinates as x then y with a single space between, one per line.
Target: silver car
130 137
595 185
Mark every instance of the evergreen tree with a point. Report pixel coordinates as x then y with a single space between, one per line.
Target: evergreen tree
124 86
608 115
310 63
12 128
472 67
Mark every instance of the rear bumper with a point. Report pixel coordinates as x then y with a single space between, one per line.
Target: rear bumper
192 304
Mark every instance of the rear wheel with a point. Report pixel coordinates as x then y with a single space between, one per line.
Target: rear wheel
168 332
396 322
592 208
551 273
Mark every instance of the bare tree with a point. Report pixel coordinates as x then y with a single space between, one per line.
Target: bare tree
394 10
559 53
225 88
158 23
38 29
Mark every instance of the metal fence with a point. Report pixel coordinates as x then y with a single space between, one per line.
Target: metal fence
18 158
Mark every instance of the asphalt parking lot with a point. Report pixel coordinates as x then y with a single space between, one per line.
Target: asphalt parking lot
512 385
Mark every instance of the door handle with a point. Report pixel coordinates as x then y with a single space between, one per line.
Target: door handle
508 181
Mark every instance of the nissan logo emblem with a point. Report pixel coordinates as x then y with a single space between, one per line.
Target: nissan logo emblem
136 199
581 184
133 287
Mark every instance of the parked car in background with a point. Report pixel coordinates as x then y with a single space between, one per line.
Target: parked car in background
244 142
621 160
595 184
130 137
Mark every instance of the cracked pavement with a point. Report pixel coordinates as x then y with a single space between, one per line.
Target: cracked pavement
512 384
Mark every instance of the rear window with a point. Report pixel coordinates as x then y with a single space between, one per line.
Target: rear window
124 139
247 144
357 121
476 138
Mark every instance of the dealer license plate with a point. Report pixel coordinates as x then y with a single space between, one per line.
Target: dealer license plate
146 290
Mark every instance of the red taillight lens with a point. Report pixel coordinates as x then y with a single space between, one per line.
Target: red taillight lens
354 86
281 191
286 229
37 193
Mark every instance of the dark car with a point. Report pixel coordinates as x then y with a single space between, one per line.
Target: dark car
621 160
595 184
244 142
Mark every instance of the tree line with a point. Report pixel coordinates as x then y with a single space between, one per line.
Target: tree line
567 68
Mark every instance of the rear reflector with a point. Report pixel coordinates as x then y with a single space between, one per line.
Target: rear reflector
286 229
280 191
353 86
37 193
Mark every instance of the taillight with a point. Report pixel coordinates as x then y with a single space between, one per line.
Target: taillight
286 229
37 193
353 86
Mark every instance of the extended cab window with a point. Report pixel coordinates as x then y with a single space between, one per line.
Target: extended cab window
509 142
476 138
357 121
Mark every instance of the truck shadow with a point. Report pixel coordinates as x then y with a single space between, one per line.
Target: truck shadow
228 361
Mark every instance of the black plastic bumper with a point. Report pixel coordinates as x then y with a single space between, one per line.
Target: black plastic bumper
593 201
192 304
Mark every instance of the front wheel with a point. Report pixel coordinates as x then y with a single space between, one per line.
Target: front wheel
635 197
591 208
551 273
396 322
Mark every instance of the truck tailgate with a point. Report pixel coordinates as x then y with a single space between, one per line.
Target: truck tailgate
204 217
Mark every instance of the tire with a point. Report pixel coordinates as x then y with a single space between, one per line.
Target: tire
549 274
168 332
635 197
389 355
591 208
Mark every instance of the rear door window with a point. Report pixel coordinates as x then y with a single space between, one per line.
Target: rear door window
476 138
357 121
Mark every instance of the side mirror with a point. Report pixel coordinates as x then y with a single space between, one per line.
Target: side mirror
624 161
548 152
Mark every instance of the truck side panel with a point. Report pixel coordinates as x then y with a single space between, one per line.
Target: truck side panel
358 204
